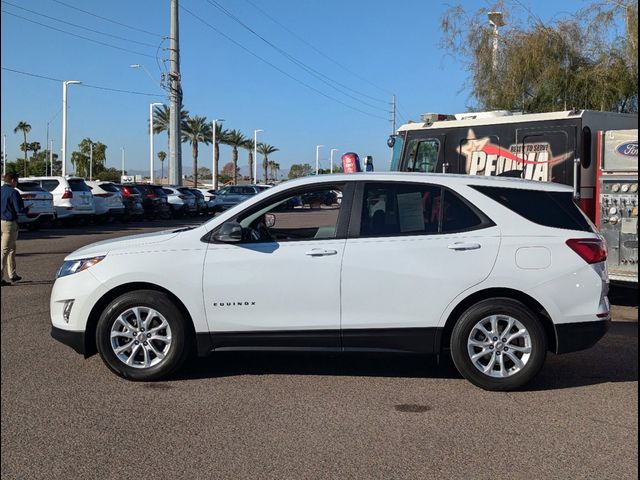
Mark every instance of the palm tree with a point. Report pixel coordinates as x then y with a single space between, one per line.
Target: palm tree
265 149
235 139
25 128
196 130
162 156
248 145
162 120
221 138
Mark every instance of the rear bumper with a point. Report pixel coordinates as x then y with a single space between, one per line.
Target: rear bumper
572 337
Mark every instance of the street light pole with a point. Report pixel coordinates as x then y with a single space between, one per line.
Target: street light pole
4 155
318 147
332 150
214 166
255 156
496 19
50 157
123 161
151 105
64 122
91 161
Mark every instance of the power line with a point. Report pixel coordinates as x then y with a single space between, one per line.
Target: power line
319 75
107 19
79 26
278 68
78 36
291 32
98 87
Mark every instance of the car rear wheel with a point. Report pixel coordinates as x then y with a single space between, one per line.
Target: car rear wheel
142 335
498 344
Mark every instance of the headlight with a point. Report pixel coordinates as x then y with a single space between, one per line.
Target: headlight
74 266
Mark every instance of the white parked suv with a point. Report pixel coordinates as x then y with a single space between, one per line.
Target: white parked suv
39 205
107 199
71 196
493 271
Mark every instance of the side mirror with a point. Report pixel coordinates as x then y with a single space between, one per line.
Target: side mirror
230 232
391 141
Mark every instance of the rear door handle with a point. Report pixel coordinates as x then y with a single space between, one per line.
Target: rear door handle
461 246
320 252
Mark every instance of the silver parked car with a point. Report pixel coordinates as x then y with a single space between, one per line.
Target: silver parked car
231 196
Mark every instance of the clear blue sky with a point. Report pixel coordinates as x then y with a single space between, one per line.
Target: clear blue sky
372 48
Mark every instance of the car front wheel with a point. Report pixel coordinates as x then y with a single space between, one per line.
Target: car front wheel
142 335
498 344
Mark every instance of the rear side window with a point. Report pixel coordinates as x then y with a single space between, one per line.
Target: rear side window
109 187
30 187
79 186
393 209
551 209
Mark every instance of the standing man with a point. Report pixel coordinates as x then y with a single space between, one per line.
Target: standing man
11 206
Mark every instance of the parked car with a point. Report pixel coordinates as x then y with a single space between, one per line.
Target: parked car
493 271
38 203
228 197
108 200
180 203
209 195
154 201
132 201
72 197
201 203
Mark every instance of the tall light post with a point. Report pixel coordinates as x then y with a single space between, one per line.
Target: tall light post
151 105
332 150
255 155
318 147
122 161
4 155
139 65
51 157
214 166
496 19
65 84
91 161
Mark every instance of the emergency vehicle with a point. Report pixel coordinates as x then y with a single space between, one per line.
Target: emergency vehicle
555 147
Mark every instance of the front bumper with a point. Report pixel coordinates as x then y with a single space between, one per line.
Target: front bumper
73 339
572 337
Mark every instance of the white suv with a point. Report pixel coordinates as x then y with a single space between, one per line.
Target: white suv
494 271
71 196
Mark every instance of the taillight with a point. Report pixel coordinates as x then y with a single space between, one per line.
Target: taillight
591 250
151 195
126 192
67 193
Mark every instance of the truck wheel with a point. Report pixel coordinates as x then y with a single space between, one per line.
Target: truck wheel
498 344
142 335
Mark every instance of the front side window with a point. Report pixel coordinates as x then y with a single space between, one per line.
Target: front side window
293 219
423 155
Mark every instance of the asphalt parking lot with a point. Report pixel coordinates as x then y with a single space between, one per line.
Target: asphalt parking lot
248 415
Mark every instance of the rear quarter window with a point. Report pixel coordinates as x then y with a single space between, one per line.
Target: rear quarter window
550 209
30 187
79 186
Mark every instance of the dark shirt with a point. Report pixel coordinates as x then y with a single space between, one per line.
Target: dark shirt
11 203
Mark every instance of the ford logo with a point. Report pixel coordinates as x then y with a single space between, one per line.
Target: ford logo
628 149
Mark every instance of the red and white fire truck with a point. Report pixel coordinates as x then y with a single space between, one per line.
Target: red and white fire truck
558 147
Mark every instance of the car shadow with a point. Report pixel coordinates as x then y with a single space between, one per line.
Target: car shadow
613 359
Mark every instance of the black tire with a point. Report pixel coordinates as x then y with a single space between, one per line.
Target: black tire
176 353
504 307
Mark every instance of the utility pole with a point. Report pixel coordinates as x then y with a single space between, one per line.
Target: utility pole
175 96
91 161
4 155
393 115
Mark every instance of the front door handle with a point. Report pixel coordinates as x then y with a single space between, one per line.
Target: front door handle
462 246
320 252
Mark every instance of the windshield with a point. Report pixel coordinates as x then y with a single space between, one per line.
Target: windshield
397 153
